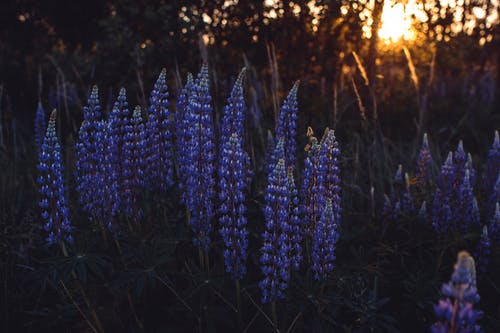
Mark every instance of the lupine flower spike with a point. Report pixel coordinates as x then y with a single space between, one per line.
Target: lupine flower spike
133 165
330 153
491 171
464 212
422 213
460 159
200 187
40 126
182 138
275 263
442 204
494 226
407 204
51 187
159 165
232 208
456 311
286 126
313 185
483 251
90 158
324 239
118 127
293 231
424 164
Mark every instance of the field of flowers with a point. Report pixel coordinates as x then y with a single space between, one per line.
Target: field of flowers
179 217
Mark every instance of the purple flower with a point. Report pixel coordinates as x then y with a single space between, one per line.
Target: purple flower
465 214
494 226
90 158
424 164
491 171
286 126
313 185
330 154
323 244
133 166
275 260
483 250
159 166
443 197
200 185
182 136
40 126
51 187
117 155
455 310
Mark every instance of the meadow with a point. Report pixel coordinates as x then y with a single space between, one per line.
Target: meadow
246 186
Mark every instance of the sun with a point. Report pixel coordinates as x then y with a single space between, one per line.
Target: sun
396 23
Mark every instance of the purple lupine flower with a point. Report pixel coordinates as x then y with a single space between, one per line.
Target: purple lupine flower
275 262
387 207
483 251
330 153
133 165
286 126
494 196
460 159
455 312
422 212
494 226
398 177
443 197
470 167
464 212
200 187
51 187
293 231
323 244
491 171
232 206
159 166
182 138
40 126
313 185
269 159
407 203
424 164
233 120
117 126
89 158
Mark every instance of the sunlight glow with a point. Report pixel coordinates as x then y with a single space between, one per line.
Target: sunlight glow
396 23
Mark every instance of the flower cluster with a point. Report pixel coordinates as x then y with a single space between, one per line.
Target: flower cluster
133 165
275 259
492 168
51 187
424 164
443 196
89 157
324 239
117 126
200 185
182 138
286 125
456 311
159 160
40 126
233 170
